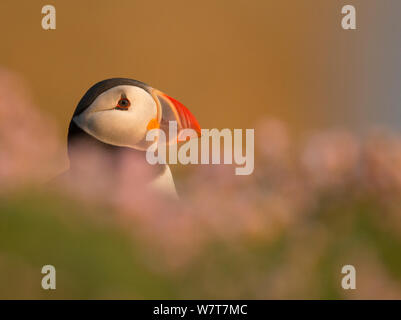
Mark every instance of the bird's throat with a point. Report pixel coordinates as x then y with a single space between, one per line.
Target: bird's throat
112 157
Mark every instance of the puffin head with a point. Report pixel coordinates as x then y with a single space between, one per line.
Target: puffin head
118 113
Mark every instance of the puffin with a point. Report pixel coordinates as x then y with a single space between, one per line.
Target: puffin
115 115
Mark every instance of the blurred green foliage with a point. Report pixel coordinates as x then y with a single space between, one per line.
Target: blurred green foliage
97 257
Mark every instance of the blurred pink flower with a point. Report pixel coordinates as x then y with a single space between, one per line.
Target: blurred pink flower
29 146
331 159
382 161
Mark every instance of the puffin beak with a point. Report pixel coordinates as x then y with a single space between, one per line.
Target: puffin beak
169 109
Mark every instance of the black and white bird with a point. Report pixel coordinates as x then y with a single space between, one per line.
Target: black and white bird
116 114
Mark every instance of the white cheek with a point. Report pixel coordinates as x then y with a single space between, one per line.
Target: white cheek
115 127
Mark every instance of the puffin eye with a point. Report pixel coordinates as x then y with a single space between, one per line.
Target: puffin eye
123 104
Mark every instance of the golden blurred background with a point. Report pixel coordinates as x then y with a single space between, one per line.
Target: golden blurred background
230 62
283 232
